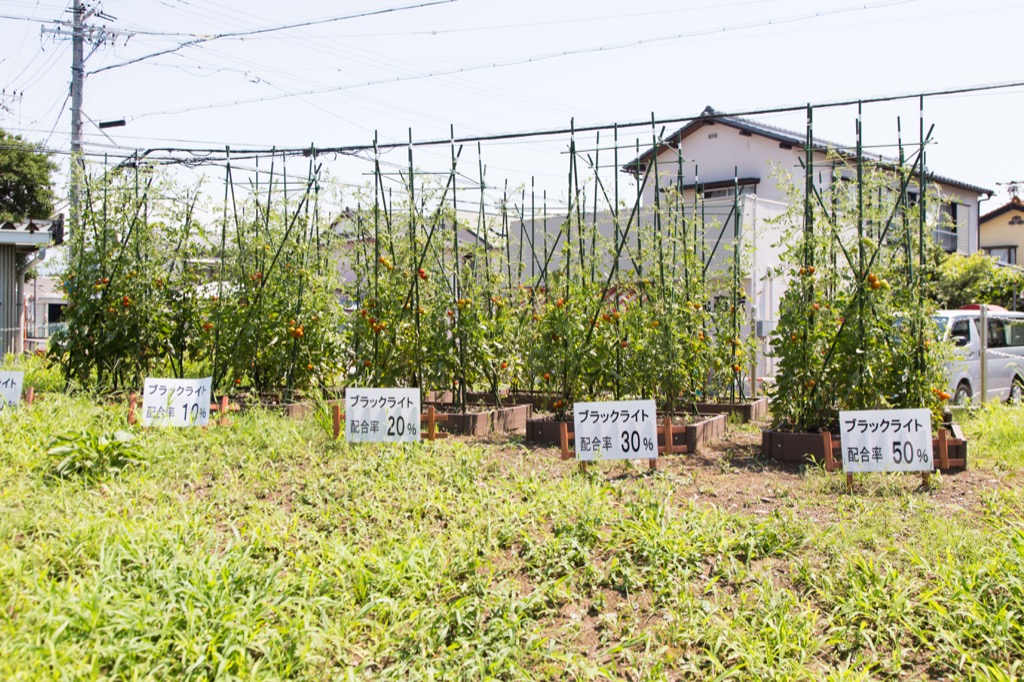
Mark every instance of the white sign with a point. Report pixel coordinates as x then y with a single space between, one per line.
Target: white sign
621 429
10 390
176 402
382 415
886 440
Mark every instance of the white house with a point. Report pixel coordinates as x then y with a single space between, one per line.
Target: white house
44 310
716 148
719 155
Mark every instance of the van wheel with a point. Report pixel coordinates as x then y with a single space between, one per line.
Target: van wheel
963 394
1016 392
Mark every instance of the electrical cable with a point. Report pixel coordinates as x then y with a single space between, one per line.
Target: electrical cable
633 124
518 61
284 27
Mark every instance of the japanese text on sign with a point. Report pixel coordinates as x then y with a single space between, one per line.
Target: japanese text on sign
379 415
10 390
175 402
886 440
623 429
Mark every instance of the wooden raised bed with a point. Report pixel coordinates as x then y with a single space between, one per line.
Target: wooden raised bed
300 408
539 401
487 421
543 431
787 446
474 422
746 411
547 431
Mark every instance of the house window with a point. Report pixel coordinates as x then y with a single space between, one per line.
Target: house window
951 217
726 192
1003 254
1016 220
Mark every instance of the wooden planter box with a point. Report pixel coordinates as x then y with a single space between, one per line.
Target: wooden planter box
296 410
437 397
546 431
747 411
487 398
704 431
486 422
786 446
540 401
543 431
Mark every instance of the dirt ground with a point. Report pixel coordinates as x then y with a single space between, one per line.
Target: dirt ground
731 474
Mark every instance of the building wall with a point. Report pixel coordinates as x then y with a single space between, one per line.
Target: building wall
967 217
759 235
8 299
43 298
999 232
720 152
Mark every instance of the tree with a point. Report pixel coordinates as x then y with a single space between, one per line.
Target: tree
962 280
25 189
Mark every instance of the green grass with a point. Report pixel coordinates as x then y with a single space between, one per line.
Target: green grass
995 434
40 373
266 551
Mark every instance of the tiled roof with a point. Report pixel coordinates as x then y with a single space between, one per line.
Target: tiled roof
1014 204
782 135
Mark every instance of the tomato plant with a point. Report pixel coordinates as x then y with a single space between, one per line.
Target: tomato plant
854 331
153 290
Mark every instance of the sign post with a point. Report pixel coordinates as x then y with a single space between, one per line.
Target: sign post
886 440
382 415
621 429
176 402
10 390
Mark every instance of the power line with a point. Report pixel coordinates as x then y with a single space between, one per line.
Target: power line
216 156
270 29
575 21
518 61
497 137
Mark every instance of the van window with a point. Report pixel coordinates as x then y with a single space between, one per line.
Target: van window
996 333
962 328
1016 332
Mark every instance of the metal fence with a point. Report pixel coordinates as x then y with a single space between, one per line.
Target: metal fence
45 331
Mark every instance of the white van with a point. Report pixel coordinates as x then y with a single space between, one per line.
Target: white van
1004 357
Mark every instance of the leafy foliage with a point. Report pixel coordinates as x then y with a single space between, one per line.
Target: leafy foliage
40 372
962 280
633 314
25 179
238 554
854 329
90 454
151 289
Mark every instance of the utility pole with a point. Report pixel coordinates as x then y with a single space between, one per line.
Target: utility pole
1012 188
77 78
77 81
96 36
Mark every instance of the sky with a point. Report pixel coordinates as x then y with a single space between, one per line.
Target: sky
330 77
